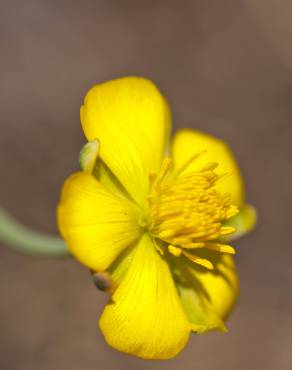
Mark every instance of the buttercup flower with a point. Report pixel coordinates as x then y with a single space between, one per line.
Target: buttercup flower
153 218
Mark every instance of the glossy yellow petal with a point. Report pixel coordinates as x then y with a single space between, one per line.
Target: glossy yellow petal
104 175
121 265
201 315
90 162
207 296
95 224
243 222
187 143
145 317
131 120
220 286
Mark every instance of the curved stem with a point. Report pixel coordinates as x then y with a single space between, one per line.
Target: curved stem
24 240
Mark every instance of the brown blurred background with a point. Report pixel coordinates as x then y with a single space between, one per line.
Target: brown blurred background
226 68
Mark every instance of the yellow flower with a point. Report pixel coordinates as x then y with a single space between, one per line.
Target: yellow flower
154 219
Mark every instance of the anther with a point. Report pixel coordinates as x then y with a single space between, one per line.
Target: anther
166 234
223 248
199 260
175 251
226 230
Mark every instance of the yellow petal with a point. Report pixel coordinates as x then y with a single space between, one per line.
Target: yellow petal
201 315
103 174
95 224
243 222
207 296
220 286
187 143
121 265
145 317
131 120
90 162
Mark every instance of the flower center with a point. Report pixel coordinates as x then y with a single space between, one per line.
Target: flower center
187 212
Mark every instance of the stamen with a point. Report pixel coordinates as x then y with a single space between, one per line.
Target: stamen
232 211
174 250
209 167
199 260
166 234
223 248
187 212
194 245
152 177
164 169
186 165
158 247
226 230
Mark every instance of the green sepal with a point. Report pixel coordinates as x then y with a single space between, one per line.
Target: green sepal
88 155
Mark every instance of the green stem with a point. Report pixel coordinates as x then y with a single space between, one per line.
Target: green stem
24 240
